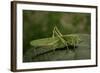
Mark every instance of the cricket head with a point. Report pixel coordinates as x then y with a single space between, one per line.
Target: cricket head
73 40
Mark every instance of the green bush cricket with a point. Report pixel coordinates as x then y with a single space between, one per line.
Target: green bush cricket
57 40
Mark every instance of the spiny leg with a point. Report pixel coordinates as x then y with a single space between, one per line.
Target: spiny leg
62 40
59 35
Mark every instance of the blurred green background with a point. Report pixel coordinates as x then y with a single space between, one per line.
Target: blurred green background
39 24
